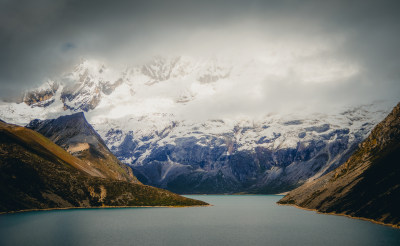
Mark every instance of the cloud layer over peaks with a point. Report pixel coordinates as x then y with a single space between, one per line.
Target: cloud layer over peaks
314 53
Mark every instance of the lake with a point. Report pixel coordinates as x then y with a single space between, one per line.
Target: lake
233 220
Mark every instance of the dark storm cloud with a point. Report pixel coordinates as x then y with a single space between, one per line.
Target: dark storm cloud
39 39
34 35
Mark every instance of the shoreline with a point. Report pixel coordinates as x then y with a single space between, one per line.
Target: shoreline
209 205
71 208
342 214
234 194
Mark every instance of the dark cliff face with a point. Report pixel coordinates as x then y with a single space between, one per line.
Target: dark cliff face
35 173
367 185
77 136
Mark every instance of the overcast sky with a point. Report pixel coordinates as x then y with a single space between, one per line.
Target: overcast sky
360 39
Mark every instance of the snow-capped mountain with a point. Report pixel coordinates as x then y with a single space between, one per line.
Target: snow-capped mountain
138 111
268 155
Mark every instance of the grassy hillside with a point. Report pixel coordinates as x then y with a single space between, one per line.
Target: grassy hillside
35 173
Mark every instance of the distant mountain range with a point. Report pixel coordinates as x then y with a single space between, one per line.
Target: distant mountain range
36 173
269 153
367 185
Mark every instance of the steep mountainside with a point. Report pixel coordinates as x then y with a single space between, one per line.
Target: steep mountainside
74 134
367 185
35 173
142 112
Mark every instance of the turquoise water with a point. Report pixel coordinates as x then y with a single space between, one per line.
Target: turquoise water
233 220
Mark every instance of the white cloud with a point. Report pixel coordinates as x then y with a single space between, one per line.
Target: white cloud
287 55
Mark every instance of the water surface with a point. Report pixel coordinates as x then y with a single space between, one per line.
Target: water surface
233 220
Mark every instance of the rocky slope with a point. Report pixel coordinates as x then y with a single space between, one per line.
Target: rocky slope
138 112
367 185
74 134
35 173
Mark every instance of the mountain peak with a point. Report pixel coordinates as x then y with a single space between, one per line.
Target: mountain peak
77 136
74 123
75 126
74 116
